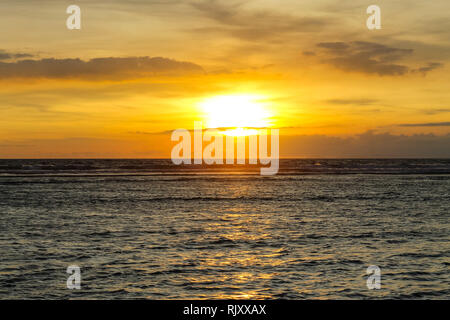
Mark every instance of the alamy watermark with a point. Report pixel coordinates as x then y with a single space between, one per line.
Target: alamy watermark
216 151
374 279
74 280
374 20
74 20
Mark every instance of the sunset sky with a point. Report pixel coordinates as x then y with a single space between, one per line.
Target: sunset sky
139 69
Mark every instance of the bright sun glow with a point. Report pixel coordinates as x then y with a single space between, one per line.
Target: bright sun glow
241 114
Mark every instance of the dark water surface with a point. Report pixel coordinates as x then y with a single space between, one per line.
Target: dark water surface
147 229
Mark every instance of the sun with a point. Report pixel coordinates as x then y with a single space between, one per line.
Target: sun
238 115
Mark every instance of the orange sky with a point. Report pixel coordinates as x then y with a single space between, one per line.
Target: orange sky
139 69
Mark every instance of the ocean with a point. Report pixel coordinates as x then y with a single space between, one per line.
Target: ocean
150 229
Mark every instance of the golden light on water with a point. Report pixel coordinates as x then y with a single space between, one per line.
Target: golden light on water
240 113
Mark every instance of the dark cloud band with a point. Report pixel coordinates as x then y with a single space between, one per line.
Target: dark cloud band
111 68
370 58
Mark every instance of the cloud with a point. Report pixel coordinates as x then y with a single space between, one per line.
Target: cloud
361 102
257 24
164 132
111 68
436 111
10 56
333 45
83 147
370 58
429 67
367 145
428 124
309 53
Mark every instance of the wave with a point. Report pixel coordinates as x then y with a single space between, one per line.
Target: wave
149 167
